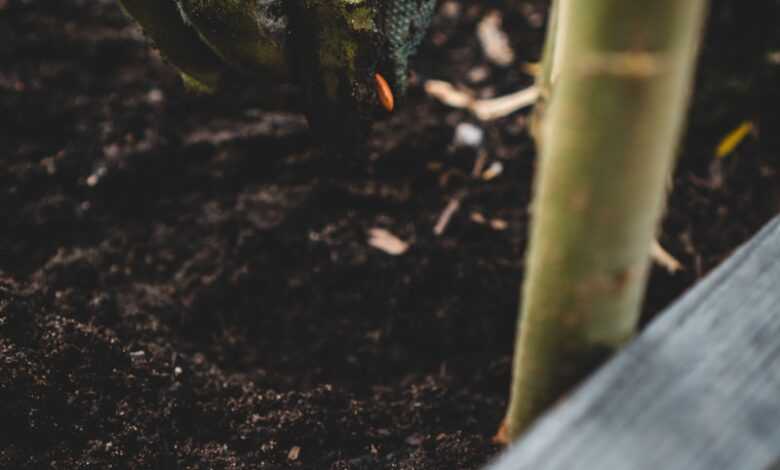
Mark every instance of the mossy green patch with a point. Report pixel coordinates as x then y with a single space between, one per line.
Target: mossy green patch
339 25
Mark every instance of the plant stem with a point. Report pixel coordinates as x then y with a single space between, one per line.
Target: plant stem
610 132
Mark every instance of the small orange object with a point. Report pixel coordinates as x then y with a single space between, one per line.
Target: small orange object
384 93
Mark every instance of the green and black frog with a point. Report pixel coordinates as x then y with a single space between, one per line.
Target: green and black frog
348 58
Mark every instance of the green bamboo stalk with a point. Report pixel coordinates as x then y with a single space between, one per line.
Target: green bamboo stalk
610 132
548 53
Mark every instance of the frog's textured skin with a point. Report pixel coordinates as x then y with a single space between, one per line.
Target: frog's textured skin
330 48
404 25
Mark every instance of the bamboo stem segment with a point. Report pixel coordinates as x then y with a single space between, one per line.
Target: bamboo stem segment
610 130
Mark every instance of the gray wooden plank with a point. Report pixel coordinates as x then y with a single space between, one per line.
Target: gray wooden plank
698 389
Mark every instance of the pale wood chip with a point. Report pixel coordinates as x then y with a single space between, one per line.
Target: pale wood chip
294 453
382 239
478 218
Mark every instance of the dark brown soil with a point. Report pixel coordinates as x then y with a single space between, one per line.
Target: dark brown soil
185 282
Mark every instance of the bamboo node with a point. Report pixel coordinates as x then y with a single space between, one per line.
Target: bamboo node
632 64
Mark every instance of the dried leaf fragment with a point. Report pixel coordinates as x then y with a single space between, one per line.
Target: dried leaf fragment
733 139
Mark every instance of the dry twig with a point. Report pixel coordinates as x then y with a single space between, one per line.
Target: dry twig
444 219
663 258
484 110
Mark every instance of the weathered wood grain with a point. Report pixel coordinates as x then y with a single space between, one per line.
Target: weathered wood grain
699 389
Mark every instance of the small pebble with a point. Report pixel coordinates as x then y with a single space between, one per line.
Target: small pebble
94 178
155 96
468 135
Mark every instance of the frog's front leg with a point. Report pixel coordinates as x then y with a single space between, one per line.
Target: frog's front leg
178 42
